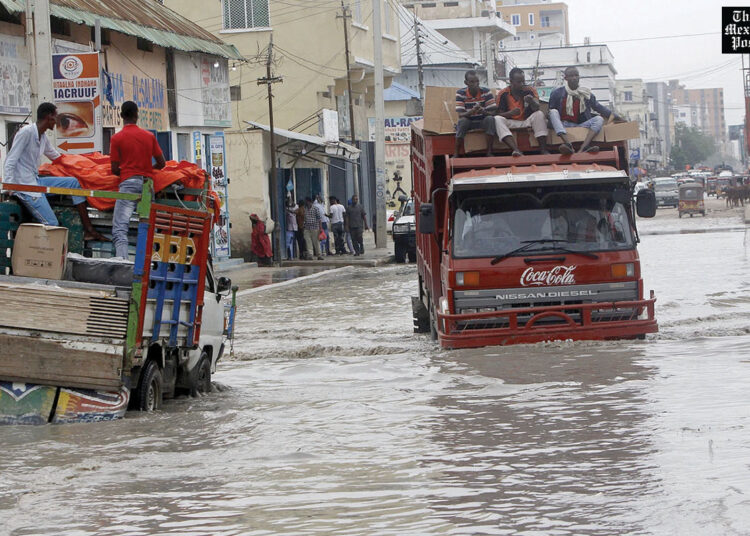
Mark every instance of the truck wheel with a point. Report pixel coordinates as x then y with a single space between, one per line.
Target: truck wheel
400 253
421 315
150 388
201 376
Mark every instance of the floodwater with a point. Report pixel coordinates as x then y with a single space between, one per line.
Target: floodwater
334 418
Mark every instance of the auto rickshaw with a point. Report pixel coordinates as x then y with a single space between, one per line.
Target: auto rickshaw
691 199
711 186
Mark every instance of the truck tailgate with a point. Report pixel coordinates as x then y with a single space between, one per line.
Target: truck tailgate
61 359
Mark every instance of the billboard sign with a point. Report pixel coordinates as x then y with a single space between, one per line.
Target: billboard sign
75 83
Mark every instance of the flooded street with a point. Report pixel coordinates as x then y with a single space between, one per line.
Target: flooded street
334 418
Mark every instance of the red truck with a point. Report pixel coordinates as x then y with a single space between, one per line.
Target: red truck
527 249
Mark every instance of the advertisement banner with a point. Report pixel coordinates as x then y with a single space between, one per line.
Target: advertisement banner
197 148
15 97
218 170
75 83
397 129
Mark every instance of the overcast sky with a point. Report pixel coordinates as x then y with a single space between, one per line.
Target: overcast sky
696 61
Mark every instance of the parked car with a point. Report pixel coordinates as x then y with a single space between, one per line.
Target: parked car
390 217
666 191
405 232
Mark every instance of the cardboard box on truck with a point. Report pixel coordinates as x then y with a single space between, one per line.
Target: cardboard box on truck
40 251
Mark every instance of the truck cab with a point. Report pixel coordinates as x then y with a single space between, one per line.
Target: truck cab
529 249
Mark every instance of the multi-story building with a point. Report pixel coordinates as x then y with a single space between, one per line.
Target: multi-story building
444 64
710 105
308 68
690 115
544 66
535 21
661 100
172 68
473 25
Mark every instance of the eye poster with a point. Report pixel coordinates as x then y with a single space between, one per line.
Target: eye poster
75 82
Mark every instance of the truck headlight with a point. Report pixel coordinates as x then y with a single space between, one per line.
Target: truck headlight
401 228
623 270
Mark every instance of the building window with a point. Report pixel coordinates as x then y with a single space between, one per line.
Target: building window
357 11
515 20
531 19
516 38
235 93
144 44
545 21
628 96
244 14
450 4
59 26
429 4
532 36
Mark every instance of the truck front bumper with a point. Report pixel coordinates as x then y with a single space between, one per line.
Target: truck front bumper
590 321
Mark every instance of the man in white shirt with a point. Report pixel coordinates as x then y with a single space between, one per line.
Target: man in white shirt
291 226
22 167
325 245
337 224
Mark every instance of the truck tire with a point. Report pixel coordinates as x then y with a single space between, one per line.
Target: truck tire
420 315
399 252
150 388
200 381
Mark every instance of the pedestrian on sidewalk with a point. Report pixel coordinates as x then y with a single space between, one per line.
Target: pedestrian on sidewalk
337 224
325 245
260 243
357 220
313 226
291 226
300 234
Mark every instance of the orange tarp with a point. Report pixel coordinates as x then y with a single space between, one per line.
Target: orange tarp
93 172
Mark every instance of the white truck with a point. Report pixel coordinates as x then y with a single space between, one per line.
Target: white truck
112 334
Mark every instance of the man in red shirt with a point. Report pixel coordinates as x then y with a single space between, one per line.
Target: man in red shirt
131 151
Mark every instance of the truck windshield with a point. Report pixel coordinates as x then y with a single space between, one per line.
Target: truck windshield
497 225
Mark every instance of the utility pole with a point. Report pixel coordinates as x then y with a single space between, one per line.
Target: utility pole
40 48
346 15
377 39
269 80
420 72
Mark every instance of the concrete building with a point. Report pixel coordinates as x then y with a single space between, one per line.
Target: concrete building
710 105
635 104
444 64
661 100
690 115
173 69
472 25
546 65
535 21
309 60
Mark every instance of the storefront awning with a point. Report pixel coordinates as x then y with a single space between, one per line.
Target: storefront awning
313 144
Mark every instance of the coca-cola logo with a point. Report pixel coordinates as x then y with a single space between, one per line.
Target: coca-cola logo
559 275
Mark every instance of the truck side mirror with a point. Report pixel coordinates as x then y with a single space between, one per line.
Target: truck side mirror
223 284
403 198
645 203
426 218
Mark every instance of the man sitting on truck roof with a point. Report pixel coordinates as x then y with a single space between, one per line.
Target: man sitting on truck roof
518 107
571 106
475 106
131 151
22 167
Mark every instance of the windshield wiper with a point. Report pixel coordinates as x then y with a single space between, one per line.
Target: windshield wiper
528 243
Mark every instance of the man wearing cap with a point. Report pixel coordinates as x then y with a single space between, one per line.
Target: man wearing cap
131 152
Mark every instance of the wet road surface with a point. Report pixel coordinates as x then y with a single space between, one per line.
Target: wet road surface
335 419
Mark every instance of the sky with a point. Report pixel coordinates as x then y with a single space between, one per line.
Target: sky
696 61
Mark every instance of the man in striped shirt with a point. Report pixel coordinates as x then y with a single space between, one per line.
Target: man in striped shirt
475 106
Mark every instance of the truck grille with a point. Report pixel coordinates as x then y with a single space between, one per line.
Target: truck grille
487 300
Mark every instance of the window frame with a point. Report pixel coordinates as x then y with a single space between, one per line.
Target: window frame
249 16
515 19
531 19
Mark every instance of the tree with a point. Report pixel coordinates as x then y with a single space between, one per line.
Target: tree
691 147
